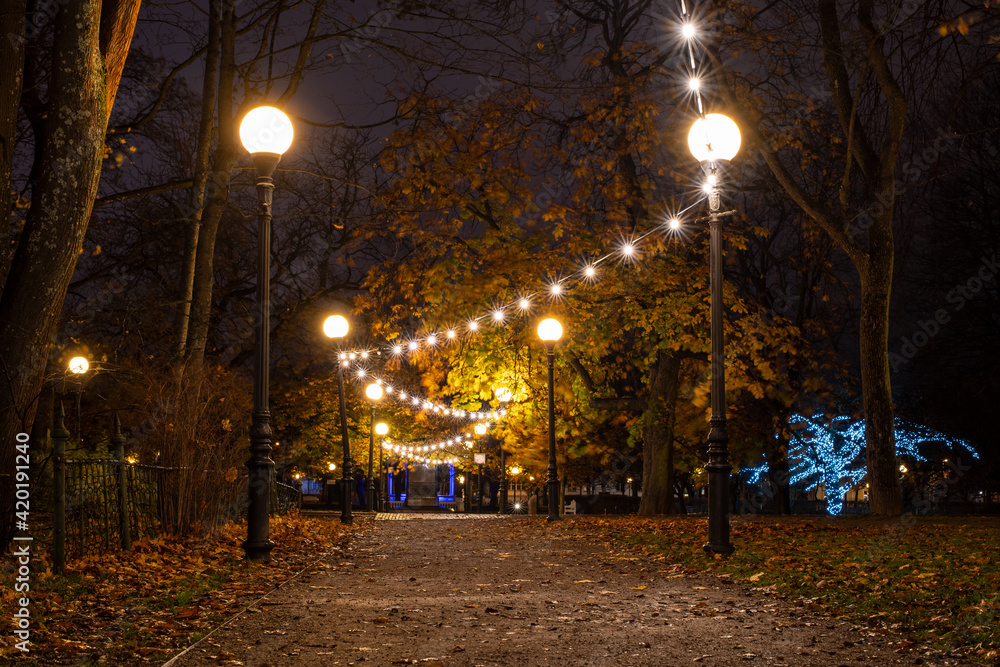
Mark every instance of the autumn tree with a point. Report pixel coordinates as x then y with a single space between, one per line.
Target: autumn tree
862 72
499 195
74 75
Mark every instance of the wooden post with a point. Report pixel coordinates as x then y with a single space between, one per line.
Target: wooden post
59 437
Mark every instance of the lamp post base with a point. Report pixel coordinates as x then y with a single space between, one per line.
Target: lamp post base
553 501
258 549
723 549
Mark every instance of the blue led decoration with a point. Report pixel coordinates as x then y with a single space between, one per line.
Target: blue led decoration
831 453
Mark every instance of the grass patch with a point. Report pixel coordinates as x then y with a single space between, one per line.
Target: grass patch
934 579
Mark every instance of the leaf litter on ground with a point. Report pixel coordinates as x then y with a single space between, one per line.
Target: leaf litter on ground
142 605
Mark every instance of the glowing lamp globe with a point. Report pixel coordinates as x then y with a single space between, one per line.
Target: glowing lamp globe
480 429
373 391
266 130
335 326
550 330
714 137
78 365
381 428
333 466
503 394
515 471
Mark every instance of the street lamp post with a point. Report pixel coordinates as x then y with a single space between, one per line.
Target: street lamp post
336 326
381 429
266 133
712 139
374 393
480 431
78 366
550 331
503 395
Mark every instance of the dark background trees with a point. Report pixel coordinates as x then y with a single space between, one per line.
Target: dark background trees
467 153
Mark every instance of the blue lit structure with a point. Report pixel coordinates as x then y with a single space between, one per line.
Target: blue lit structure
831 453
399 495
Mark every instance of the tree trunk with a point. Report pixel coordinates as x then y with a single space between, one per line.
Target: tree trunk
222 164
199 178
884 494
11 53
83 85
777 476
658 437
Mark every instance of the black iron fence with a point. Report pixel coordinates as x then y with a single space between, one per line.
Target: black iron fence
111 502
103 504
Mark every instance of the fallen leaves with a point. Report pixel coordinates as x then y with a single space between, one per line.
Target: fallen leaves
154 598
935 578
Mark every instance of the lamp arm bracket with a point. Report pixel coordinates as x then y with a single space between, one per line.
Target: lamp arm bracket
723 214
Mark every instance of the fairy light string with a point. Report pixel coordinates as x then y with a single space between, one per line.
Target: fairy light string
499 315
830 454
415 401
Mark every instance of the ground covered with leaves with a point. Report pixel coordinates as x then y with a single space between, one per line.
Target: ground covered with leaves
934 580
143 605
926 590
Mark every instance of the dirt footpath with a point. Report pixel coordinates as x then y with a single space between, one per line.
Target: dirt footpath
519 591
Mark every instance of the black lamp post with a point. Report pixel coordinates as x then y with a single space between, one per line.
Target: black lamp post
374 393
336 326
381 429
78 366
550 331
712 139
266 133
503 395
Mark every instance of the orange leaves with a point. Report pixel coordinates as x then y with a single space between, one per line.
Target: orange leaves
155 598
916 577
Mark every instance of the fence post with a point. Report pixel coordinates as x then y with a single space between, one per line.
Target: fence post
118 440
59 437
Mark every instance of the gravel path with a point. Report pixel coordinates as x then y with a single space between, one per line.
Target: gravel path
519 591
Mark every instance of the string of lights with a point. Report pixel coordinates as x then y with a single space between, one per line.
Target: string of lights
831 454
437 453
419 402
499 315
627 251
690 33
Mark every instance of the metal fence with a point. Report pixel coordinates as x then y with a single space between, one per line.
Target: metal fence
110 502
283 498
103 504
